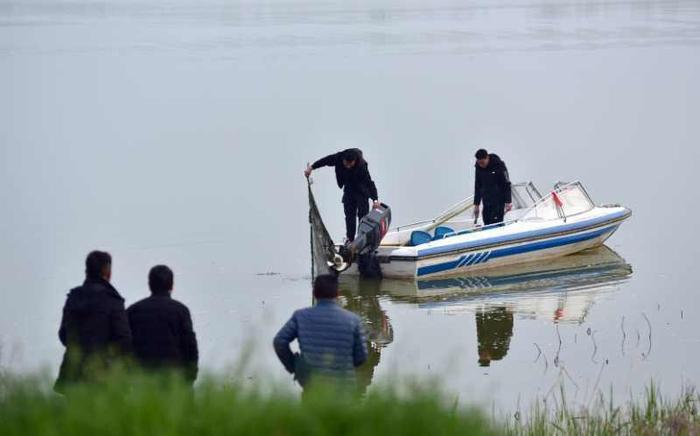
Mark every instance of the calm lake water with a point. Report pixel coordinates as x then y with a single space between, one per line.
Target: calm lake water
176 132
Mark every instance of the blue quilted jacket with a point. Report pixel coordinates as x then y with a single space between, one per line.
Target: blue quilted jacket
331 341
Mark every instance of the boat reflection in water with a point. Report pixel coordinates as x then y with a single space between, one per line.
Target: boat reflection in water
362 298
561 290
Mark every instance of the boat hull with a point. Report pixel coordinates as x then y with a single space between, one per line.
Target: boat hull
477 260
426 263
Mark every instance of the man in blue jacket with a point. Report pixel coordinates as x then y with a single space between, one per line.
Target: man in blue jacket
331 340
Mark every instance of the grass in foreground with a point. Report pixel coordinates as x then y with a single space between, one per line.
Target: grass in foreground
147 406
140 405
651 416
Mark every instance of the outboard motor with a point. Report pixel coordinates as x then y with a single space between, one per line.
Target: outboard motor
373 227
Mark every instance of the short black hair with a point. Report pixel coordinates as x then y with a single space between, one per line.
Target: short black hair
160 279
481 154
95 264
326 286
351 154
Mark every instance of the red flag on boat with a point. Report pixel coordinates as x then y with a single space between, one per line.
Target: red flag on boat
557 200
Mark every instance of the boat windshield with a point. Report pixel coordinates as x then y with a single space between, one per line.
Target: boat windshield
525 195
564 201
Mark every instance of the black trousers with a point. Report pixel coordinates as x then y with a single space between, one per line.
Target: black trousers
356 206
493 213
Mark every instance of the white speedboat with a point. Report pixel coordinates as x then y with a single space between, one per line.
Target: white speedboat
563 222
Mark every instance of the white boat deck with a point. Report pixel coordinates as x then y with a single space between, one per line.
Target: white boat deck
564 222
512 231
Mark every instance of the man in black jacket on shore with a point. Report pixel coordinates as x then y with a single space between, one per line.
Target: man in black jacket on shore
162 329
94 328
352 175
492 186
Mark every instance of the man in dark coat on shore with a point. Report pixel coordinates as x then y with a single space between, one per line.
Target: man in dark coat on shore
492 186
162 329
331 340
94 328
352 175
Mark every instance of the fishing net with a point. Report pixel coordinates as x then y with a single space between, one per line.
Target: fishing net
322 247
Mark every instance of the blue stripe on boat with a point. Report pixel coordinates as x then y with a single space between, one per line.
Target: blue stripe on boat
472 260
464 260
509 238
520 249
479 258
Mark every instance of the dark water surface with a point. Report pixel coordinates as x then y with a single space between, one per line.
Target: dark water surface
176 132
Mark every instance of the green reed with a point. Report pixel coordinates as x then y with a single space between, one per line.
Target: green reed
148 406
650 415
141 405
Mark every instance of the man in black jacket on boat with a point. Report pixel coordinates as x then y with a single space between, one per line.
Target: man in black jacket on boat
352 175
492 186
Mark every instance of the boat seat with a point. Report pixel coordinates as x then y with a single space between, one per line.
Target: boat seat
419 237
442 232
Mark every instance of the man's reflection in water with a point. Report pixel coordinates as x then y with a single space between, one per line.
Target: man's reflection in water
494 328
362 298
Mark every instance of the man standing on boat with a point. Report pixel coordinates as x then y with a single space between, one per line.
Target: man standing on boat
492 186
352 175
